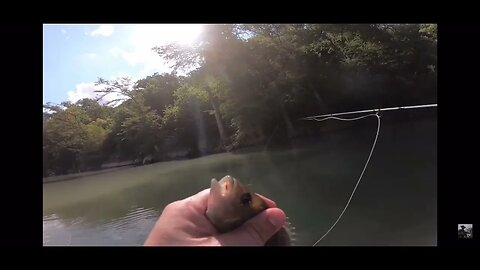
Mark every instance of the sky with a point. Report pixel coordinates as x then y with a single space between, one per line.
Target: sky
75 56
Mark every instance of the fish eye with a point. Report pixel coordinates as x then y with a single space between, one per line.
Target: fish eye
245 199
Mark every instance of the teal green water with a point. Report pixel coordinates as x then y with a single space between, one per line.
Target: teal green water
395 203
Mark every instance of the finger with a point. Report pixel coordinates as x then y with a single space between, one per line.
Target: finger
270 203
257 231
200 199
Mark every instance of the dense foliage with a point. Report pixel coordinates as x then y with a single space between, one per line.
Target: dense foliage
247 81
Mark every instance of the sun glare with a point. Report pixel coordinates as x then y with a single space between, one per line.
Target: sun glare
165 33
185 33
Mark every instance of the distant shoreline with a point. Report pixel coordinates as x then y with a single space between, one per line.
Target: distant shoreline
303 141
66 177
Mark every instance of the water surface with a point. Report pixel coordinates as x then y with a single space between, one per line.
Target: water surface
395 203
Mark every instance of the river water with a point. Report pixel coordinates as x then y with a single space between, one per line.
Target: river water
395 204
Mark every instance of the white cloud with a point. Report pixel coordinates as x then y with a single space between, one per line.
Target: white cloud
144 37
138 52
87 90
63 31
147 59
158 34
119 75
103 30
83 90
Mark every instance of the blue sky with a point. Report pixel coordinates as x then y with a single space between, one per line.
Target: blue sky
74 56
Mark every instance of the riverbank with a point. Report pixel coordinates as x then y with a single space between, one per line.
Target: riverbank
316 134
72 176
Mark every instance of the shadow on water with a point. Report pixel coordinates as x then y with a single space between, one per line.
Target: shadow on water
395 203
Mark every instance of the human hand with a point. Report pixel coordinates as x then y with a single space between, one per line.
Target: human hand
183 223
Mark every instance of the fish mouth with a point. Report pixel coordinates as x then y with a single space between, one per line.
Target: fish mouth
222 195
228 185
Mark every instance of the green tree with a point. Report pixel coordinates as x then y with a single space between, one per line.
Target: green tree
244 83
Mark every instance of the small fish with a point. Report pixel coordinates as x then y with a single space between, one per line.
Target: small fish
231 203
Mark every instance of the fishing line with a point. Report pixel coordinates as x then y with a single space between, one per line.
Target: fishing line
321 118
364 168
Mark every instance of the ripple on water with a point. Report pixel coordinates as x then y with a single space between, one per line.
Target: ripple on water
132 219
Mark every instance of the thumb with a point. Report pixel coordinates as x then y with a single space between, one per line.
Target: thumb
256 231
